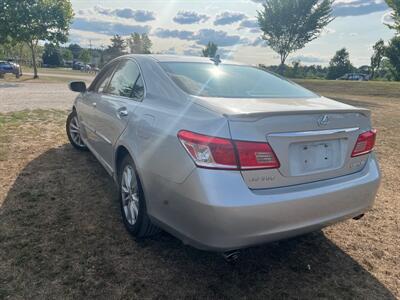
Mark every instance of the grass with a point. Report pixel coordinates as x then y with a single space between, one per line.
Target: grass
49 75
61 235
58 71
383 89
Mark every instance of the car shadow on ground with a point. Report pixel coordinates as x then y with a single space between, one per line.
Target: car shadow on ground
61 235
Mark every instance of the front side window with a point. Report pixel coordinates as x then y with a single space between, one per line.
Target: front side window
231 81
124 81
101 84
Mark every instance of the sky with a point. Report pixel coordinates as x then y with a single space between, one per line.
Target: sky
184 27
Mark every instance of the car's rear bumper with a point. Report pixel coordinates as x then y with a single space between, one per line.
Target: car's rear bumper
215 210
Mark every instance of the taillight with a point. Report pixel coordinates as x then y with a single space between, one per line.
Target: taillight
253 155
220 153
365 143
209 152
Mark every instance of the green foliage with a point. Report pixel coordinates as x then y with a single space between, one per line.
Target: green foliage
376 59
52 55
18 51
297 70
85 56
395 5
210 50
117 47
140 44
288 25
67 54
393 54
76 50
31 21
340 65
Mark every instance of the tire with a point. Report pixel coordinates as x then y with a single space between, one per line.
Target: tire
139 226
73 132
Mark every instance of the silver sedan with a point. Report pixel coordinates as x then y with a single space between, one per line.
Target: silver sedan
221 154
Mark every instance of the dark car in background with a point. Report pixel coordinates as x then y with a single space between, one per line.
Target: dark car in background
9 67
355 77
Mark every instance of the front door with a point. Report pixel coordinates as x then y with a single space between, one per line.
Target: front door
87 106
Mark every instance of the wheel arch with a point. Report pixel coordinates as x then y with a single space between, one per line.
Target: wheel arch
120 151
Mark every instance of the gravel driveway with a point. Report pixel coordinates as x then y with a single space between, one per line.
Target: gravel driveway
20 96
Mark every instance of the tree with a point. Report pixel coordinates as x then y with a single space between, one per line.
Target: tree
376 59
146 44
339 65
210 50
76 50
140 44
395 5
85 56
135 43
117 47
31 21
52 55
288 25
67 54
393 54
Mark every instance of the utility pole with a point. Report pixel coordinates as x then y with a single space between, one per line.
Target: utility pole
91 52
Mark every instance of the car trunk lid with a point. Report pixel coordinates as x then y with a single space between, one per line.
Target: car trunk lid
312 138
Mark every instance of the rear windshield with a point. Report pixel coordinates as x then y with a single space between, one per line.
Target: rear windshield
231 81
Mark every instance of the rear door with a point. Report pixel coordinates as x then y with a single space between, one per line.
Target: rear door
116 107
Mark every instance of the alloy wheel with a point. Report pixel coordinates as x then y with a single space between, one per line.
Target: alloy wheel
74 130
130 195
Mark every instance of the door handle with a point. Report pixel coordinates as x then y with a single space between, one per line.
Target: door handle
123 112
94 104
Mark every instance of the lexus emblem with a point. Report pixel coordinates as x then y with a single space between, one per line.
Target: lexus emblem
323 120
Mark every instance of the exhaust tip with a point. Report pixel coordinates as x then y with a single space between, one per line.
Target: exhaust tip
359 217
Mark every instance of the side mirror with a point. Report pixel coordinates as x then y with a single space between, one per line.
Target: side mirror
77 86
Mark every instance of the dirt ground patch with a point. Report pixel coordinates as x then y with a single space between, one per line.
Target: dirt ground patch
16 96
61 235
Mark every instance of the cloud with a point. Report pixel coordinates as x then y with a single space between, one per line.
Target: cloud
229 17
221 38
190 17
108 27
192 52
126 13
387 18
202 37
258 42
170 51
346 8
178 34
308 59
249 23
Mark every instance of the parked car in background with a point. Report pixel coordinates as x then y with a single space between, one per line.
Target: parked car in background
355 77
221 154
9 67
76 65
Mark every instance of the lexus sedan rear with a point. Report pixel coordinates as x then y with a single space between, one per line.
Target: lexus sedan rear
223 155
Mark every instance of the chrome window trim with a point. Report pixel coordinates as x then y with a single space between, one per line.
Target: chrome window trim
140 76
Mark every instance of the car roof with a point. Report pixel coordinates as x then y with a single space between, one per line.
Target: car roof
181 58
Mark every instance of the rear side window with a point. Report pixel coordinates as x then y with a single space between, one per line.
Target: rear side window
231 81
127 81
